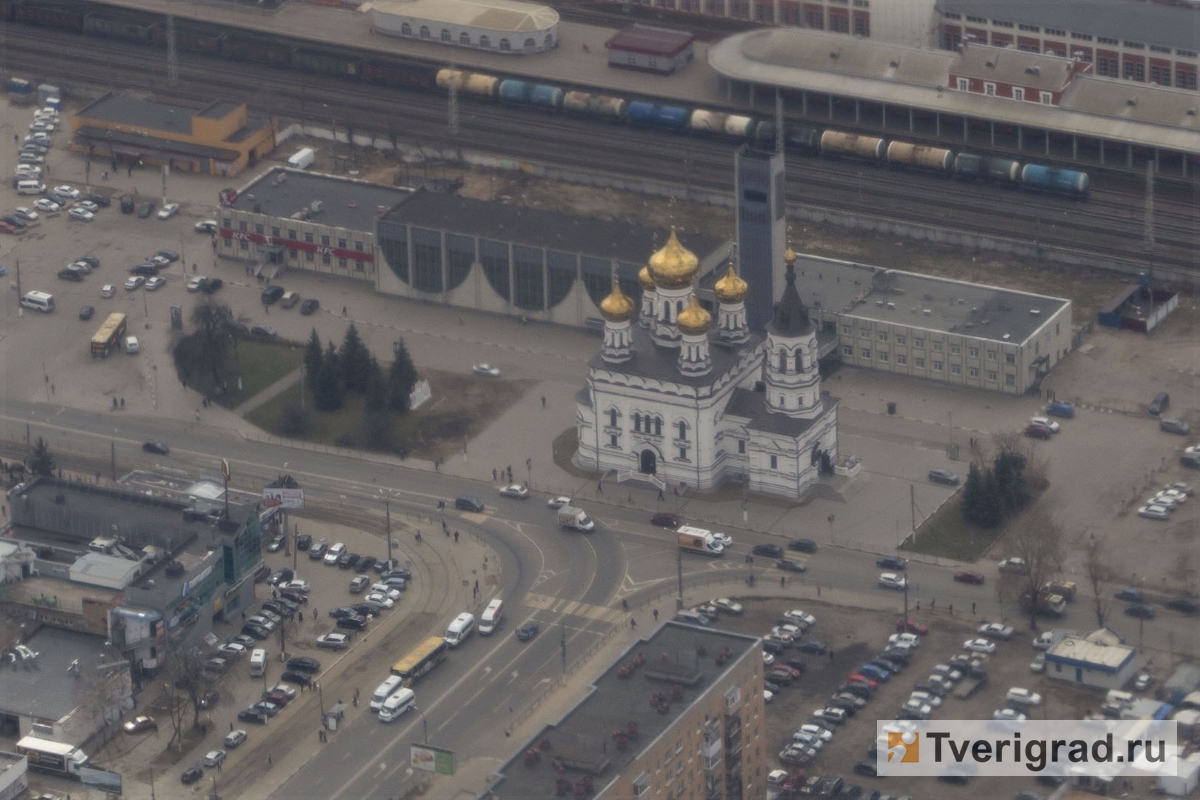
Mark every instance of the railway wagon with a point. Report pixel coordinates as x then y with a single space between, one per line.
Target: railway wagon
544 96
805 138
324 62
248 47
601 106
919 155
190 38
717 123
96 24
392 73
970 166
475 83
35 12
514 91
671 118
839 143
1051 179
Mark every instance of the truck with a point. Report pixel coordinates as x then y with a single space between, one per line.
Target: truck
1066 589
695 540
55 758
302 159
576 519
966 687
1048 604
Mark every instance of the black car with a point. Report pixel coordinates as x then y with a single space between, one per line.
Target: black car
396 572
665 519
294 595
192 774
891 562
774 648
387 565
309 306
317 551
791 565
14 220
102 200
844 703
255 715
147 269
271 294
468 504
341 612
811 646
145 208
527 631
803 545
303 541
771 686
1184 603
943 476
70 275
304 664
261 573
281 576
857 689
797 664
394 581
211 285
127 204
365 611
355 623
1140 610
298 678
257 631
158 448
366 563
87 312
210 699
1160 403
867 768
348 560
170 255
263 332
770 550
282 609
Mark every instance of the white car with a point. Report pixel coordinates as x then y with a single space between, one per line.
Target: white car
381 599
206 226
1182 488
979 646
906 639
69 192
1038 665
333 641
81 214
43 126
801 618
928 698
195 283
1169 503
1014 565
823 734
768 659
334 553
87 205
295 585
134 282
516 491
232 649
1023 697
168 211
996 630
723 539
391 592
768 696
1008 715
27 214
727 605
154 283
1176 495
132 345
486 370
890 580
108 290
214 757
1046 422
1154 512
47 205
27 171
558 502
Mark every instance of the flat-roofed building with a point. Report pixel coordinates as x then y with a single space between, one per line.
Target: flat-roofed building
498 26
679 713
652 49
1100 660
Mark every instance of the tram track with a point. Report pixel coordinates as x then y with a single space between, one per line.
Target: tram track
1107 226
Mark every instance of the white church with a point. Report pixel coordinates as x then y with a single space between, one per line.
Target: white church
678 401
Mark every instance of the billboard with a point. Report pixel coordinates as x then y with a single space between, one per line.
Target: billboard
431 759
101 779
283 498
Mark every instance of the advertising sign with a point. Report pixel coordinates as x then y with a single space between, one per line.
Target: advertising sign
431 759
283 498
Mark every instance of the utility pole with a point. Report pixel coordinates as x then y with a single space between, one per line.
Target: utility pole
452 101
112 456
679 571
387 511
778 122
172 56
912 509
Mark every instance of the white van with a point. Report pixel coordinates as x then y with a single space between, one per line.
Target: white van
384 691
30 187
38 301
1119 698
258 663
492 616
460 629
396 705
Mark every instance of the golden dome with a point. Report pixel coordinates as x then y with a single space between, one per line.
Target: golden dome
617 307
789 256
694 319
731 288
645 280
674 266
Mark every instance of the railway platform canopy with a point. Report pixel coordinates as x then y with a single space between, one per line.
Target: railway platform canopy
939 96
219 138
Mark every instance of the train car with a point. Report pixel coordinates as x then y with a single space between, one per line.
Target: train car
578 102
326 62
258 49
615 109
804 138
838 143
544 96
919 155
395 73
190 37
670 118
450 77
739 127
971 166
1051 179
96 24
35 12
514 91
706 122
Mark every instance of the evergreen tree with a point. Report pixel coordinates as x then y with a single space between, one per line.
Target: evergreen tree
972 496
376 389
356 361
313 356
327 388
42 460
401 379
992 505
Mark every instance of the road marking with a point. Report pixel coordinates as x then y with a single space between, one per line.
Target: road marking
572 608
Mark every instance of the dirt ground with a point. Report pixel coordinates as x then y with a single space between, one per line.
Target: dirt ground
856 636
462 405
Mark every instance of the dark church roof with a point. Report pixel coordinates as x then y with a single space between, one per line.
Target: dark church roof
791 317
753 405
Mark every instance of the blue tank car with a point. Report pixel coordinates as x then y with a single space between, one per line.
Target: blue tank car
544 96
515 91
1051 179
667 117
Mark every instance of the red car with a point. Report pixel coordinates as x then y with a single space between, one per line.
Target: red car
919 628
1038 432
857 678
969 577
664 519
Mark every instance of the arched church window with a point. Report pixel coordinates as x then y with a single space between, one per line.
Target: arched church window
612 418
682 430
799 361
637 423
658 426
782 360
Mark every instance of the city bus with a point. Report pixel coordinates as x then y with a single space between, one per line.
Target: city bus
109 335
424 657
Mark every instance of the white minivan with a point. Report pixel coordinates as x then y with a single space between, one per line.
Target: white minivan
462 627
30 187
396 705
384 691
492 617
258 663
38 301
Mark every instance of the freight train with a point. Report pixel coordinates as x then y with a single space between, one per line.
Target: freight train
215 40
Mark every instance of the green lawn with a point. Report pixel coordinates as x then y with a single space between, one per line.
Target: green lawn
262 363
947 535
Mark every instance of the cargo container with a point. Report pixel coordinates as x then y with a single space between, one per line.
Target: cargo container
546 97
853 144
919 155
1051 179
515 91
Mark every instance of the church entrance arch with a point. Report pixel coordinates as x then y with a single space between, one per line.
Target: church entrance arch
648 463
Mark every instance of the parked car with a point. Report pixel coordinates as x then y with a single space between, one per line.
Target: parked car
812 646
1169 425
168 211
1140 610
140 725
1060 408
791 565
308 306
486 370
803 545
1015 565
235 739
943 476
1128 594
1184 603
205 226
996 630
891 562
1037 431
214 758
515 491
1023 697
298 678
1046 422
333 641
969 577
979 646
665 519
145 208
768 550
800 618
1160 403
357 623
304 664
255 715
155 283
192 774
1155 512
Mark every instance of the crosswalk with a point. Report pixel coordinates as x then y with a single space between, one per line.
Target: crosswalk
574 608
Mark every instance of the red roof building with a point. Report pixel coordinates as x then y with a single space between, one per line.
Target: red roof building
651 49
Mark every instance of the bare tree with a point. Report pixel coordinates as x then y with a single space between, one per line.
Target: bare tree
187 684
1184 571
1097 573
1038 540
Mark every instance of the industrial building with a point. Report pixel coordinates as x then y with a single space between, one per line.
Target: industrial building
219 138
680 713
497 26
1100 660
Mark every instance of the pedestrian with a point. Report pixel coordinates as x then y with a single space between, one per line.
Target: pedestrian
314 613
268 759
197 415
477 584
933 604
656 615
633 623
266 308
446 530
952 609
301 615
599 487
122 403
114 404
418 537
543 401
660 495
218 766
355 700
782 581
625 605
343 311
493 474
972 608
819 592
456 537
231 727
243 616
274 595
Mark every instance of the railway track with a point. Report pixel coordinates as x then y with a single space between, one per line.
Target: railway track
1107 226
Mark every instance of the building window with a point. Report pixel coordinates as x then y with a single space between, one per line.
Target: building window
308 256
505 46
637 423
1018 94
783 361
1010 358
955 349
343 264
657 426
847 349
741 447
325 259
847 330
814 18
243 244
937 366
612 440
955 369
308 237
1010 379
1160 74
485 41
641 784
425 32
1185 79
1055 32
973 352
275 232
774 462
883 356
920 363
991 375
1135 45
901 338
325 241
406 29
1029 28
798 360
612 417
964 84
937 347
973 372
464 38
865 353
682 430
991 355
918 342
258 229
1106 40
901 359
683 454
989 89
446 37
883 337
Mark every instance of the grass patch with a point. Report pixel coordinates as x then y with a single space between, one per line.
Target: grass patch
262 364
947 535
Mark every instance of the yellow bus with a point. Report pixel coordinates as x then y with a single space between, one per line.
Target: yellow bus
424 657
109 335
